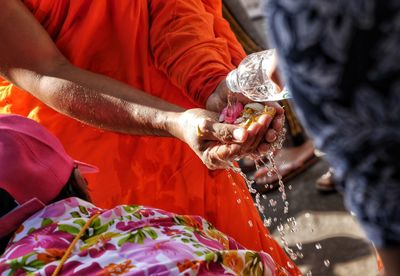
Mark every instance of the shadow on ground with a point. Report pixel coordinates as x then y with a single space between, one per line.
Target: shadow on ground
321 222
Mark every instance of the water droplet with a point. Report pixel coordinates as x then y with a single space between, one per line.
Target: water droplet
307 215
290 187
250 223
275 219
299 245
301 256
318 246
309 273
290 265
271 248
267 222
272 202
239 200
280 227
264 196
327 263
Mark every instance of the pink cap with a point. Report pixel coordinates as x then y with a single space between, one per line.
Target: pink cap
34 167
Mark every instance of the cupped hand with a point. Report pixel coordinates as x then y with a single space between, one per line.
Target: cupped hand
266 129
216 144
262 132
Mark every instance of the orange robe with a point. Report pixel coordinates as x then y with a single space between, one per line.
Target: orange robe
177 50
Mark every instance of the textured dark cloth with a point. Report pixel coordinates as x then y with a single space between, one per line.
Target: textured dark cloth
341 60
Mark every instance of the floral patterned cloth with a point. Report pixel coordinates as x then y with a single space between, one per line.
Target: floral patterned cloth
341 60
129 240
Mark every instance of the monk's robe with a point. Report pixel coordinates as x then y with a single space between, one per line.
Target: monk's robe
177 50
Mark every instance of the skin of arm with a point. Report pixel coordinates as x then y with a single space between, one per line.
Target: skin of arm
91 98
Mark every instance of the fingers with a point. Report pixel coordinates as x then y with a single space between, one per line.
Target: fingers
224 133
271 135
218 156
263 149
278 122
256 133
278 108
264 121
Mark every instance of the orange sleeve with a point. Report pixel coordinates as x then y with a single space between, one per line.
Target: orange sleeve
186 47
223 29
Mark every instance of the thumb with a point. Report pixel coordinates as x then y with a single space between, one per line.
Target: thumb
227 133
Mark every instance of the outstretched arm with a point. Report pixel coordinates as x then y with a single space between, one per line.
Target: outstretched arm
29 59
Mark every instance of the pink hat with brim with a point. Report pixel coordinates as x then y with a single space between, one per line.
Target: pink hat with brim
34 167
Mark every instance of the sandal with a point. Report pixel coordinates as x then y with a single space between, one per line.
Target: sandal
290 161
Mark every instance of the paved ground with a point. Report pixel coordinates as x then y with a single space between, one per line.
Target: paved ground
322 220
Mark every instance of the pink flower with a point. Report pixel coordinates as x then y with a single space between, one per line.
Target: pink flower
131 225
97 250
210 243
171 232
151 249
98 245
146 212
46 237
75 268
155 222
231 113
59 208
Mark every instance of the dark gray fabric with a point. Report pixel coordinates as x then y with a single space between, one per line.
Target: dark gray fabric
341 60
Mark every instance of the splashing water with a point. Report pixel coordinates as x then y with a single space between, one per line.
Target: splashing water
327 263
272 169
250 223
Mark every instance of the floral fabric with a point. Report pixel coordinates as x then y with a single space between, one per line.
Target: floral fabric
128 240
341 60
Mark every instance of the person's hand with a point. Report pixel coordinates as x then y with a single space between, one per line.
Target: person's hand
216 144
264 131
267 127
261 133
219 98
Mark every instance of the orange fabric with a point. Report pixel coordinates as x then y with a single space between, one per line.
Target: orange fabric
177 50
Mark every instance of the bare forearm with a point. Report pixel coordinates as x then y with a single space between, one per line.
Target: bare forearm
31 60
100 101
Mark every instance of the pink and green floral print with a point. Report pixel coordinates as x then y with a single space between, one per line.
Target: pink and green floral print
127 240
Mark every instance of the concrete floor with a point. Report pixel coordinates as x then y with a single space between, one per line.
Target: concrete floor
322 220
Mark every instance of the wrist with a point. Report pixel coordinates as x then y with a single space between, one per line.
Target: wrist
172 124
